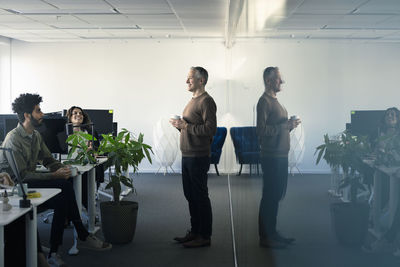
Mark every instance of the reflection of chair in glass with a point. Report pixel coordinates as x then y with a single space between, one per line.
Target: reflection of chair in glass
296 151
247 149
216 146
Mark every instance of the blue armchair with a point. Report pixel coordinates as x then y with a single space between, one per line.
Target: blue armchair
216 146
247 149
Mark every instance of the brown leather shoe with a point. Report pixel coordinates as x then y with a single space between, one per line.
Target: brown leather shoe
188 237
197 243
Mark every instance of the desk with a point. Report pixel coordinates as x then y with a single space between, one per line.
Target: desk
90 168
377 193
31 223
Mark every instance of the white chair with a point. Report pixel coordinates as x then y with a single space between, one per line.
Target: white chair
166 144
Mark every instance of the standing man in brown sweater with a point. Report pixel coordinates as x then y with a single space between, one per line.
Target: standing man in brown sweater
197 127
273 129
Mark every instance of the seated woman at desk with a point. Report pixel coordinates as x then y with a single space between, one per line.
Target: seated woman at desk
389 129
14 237
80 121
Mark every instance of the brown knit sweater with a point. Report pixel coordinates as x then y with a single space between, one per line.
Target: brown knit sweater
272 127
200 115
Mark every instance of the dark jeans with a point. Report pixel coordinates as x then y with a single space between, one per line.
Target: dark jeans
65 208
194 180
275 175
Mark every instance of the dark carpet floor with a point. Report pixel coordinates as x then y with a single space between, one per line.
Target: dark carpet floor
163 214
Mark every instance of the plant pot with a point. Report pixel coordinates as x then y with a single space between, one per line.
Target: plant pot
118 222
350 222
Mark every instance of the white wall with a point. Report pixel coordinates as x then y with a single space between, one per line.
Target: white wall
5 60
144 81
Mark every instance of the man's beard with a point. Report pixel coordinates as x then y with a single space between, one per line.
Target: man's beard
35 123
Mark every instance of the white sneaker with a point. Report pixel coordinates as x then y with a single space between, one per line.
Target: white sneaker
94 243
56 261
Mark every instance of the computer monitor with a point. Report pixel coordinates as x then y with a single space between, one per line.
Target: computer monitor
101 118
366 123
53 134
52 130
3 130
10 123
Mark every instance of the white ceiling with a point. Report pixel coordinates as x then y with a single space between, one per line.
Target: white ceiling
94 20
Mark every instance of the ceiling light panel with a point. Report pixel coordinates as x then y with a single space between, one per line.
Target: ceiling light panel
141 6
359 21
89 33
25 5
81 5
168 33
20 22
380 6
127 33
305 21
394 36
393 22
155 21
52 33
114 20
372 33
328 6
59 21
7 30
195 8
20 35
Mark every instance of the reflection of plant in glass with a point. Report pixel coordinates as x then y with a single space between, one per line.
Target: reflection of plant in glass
81 151
346 153
123 151
388 152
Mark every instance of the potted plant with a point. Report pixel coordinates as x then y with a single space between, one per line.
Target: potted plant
80 151
350 219
118 218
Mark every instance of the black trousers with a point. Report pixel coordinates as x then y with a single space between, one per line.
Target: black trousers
194 180
65 208
15 243
275 175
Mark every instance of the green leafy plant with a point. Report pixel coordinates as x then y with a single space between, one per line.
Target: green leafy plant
346 153
123 150
80 149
